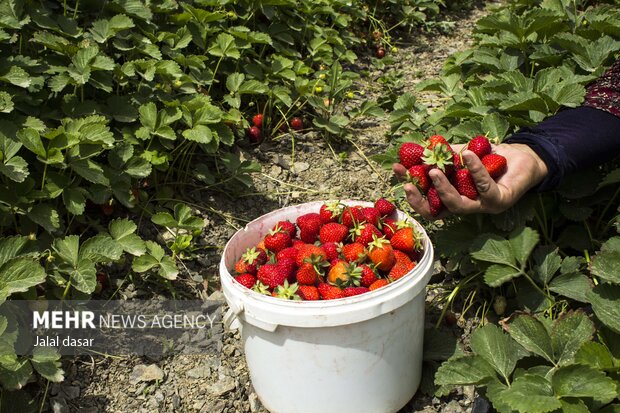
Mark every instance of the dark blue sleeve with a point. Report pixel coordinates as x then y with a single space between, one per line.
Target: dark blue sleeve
571 140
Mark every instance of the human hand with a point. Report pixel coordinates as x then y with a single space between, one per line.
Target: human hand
524 170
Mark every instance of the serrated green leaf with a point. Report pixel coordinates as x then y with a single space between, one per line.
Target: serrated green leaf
168 268
148 115
489 248
18 275
224 46
46 361
596 355
46 216
495 125
11 247
606 265
604 299
101 248
530 333
234 81
15 168
90 171
583 381
84 276
572 285
123 232
136 8
6 102
199 133
67 249
17 76
439 345
548 262
30 138
184 218
522 242
524 101
611 178
13 379
464 371
144 263
568 333
497 274
164 219
74 200
532 394
497 348
253 87
571 264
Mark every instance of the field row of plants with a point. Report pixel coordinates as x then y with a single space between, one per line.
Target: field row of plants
105 107
548 268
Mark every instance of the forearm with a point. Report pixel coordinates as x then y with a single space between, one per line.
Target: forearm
570 140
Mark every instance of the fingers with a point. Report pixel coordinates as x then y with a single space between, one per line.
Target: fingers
399 170
452 200
488 190
417 201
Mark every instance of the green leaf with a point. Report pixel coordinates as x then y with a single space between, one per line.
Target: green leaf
568 334
605 299
168 268
606 265
148 115
596 355
497 274
253 87
529 332
522 242
611 178
497 348
123 232
548 262
17 76
46 216
165 219
101 248
6 102
489 248
90 171
574 406
184 218
67 249
234 81
572 285
136 8
30 138
583 381
74 200
523 102
464 371
495 125
199 133
18 275
46 361
17 377
144 263
439 345
531 393
15 168
224 46
11 247
102 30
84 276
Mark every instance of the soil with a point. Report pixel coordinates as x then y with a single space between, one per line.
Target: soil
220 382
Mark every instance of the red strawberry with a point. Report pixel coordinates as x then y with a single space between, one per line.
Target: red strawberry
297 243
389 227
457 161
384 207
290 252
307 274
247 280
287 226
399 270
309 227
250 260
418 175
352 215
437 140
277 240
382 282
402 257
405 240
381 253
363 233
480 145
272 275
330 211
308 292
371 215
310 253
254 134
495 164
297 123
289 266
368 276
331 250
333 232
352 291
410 154
434 201
257 120
354 252
329 292
464 184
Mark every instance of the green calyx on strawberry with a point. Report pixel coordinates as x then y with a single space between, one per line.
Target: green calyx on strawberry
330 211
261 288
287 291
439 156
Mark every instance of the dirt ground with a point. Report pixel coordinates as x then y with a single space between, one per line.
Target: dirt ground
220 382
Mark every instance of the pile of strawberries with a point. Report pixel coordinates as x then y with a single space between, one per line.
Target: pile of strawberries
437 153
339 251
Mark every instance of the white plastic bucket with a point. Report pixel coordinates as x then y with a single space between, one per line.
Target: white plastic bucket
361 354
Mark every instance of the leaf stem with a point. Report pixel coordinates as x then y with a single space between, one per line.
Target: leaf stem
47 384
